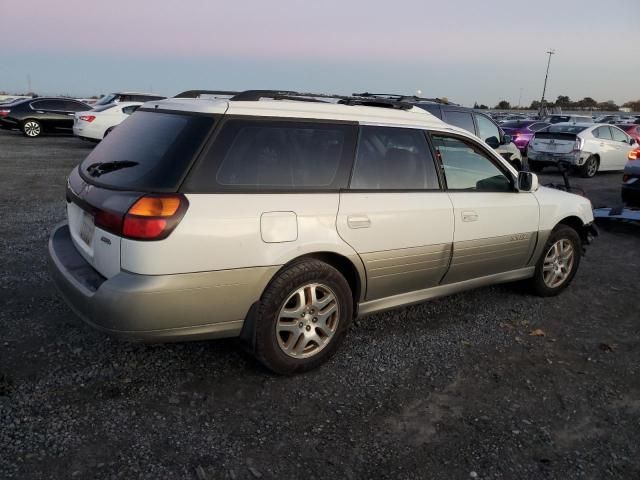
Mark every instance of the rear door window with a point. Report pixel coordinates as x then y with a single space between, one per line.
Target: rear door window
57 105
393 159
276 155
71 106
603 133
460 119
150 151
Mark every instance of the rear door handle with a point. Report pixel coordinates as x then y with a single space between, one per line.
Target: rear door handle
358 221
469 216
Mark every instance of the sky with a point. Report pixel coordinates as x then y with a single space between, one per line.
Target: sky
465 50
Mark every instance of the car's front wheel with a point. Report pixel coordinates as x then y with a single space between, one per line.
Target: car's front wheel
302 317
32 128
558 263
590 167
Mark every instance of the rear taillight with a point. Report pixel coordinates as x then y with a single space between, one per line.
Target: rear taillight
88 118
634 154
154 217
4 113
578 144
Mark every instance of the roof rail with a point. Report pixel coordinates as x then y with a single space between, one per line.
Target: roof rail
199 93
403 98
255 95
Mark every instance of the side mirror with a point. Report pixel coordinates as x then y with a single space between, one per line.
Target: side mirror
493 142
632 141
527 182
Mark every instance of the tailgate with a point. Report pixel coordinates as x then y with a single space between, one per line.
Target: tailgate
554 142
100 248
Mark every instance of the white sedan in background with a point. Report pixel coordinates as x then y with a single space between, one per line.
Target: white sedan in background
96 124
588 147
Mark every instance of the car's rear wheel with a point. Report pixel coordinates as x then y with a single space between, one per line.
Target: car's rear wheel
558 263
31 128
302 317
590 167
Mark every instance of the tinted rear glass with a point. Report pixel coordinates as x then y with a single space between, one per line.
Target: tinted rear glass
150 151
259 155
514 124
557 119
460 119
564 129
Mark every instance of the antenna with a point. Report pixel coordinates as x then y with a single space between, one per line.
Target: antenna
550 52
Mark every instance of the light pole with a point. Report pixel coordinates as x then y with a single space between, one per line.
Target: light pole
546 76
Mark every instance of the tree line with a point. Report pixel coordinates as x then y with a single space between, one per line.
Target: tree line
564 102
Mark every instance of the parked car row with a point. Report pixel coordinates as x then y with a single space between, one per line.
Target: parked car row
42 115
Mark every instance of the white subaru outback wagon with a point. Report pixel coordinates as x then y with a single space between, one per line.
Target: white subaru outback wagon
279 217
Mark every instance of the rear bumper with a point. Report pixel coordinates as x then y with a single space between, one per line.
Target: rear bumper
177 307
545 158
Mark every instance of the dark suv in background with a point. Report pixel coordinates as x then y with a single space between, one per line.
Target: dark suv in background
479 124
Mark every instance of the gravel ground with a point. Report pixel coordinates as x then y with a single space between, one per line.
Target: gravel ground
455 388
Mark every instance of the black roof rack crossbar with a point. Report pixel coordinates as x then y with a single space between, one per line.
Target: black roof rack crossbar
199 93
402 98
255 95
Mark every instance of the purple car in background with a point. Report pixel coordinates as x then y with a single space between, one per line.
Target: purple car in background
521 131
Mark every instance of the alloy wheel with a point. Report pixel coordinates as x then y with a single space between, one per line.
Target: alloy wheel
307 320
592 167
558 263
32 129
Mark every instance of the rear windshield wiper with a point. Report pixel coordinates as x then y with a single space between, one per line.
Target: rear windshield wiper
97 169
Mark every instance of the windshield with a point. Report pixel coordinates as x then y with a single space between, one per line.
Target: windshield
564 129
150 151
107 99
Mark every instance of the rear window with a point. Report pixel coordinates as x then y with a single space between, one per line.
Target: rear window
102 108
514 124
266 155
150 151
557 119
564 129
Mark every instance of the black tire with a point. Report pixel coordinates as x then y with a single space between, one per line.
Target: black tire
535 166
590 167
267 348
538 284
31 128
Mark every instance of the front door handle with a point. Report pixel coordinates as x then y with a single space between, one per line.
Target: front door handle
469 216
358 221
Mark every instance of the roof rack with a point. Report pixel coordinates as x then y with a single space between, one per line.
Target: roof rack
256 95
199 93
402 98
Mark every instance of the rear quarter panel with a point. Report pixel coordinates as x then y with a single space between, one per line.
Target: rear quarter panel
223 231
